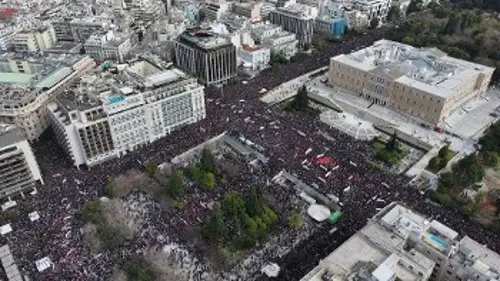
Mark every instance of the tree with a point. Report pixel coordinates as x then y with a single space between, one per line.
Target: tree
392 144
434 164
233 204
301 99
215 229
92 212
208 181
138 269
151 168
175 185
453 24
194 173
207 161
111 188
394 14
295 221
254 204
415 6
374 22
445 153
492 158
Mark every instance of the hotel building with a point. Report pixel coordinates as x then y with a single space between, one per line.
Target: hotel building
109 115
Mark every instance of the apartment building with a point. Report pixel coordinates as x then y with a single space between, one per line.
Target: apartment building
214 11
423 83
399 244
34 40
109 115
19 169
255 58
108 45
280 42
210 57
79 29
373 8
253 11
27 84
297 19
7 34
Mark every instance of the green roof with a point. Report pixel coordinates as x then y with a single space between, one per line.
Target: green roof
15 78
55 77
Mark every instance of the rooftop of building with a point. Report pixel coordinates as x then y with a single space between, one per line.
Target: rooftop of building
9 135
428 69
115 83
297 10
203 38
65 47
44 72
383 242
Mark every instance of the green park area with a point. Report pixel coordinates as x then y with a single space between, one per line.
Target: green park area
464 186
389 152
440 161
239 222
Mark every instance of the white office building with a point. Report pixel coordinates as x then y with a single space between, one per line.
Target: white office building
19 169
108 46
279 42
297 19
398 244
255 58
111 115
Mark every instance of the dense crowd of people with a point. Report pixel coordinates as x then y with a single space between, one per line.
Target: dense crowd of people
284 139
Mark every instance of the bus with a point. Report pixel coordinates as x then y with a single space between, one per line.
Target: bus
335 217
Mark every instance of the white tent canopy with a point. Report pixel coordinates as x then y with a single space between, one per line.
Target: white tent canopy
318 212
5 229
43 264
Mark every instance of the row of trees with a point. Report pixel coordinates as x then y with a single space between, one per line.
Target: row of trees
204 172
470 171
440 161
240 221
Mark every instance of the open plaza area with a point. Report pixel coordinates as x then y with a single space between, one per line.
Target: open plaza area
294 159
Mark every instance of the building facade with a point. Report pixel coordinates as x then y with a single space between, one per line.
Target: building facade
35 40
373 8
210 57
280 42
108 117
108 45
19 169
424 83
398 244
27 84
255 58
297 19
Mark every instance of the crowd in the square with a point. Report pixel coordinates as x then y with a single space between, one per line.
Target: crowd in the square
285 139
